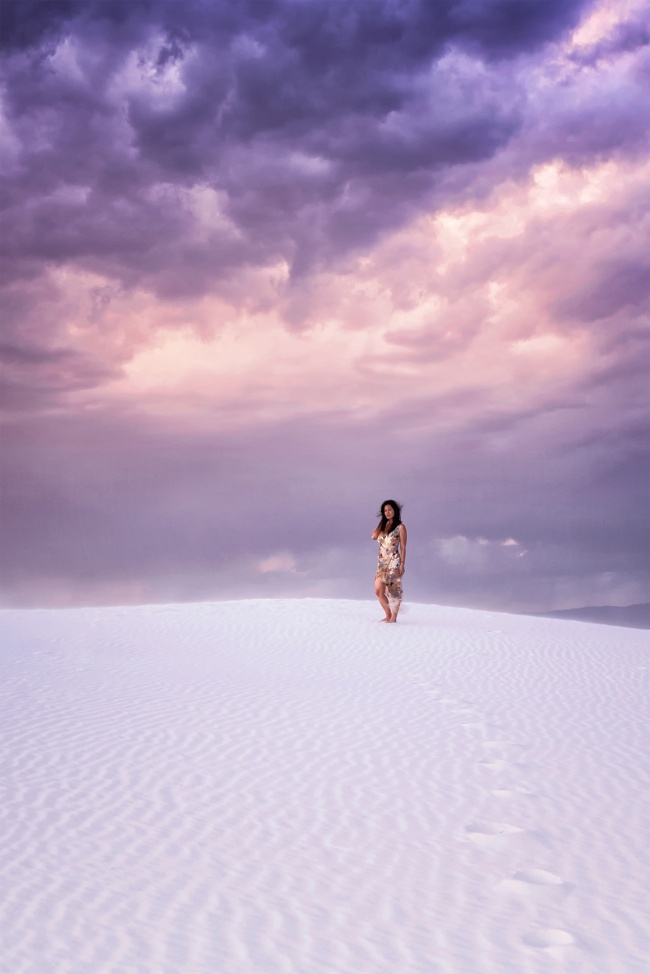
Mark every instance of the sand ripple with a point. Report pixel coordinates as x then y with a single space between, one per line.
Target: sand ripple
288 787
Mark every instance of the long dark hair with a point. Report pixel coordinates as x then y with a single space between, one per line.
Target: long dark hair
397 520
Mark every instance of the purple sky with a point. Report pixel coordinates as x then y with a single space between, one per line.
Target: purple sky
268 262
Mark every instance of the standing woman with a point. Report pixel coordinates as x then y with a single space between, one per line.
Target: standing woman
391 535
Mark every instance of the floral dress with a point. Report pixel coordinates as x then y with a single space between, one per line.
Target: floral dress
388 566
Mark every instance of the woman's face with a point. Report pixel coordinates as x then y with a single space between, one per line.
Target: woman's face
389 513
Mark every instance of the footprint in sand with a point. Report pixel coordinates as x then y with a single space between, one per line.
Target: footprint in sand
529 881
481 722
491 835
551 941
493 760
494 764
516 791
477 724
497 745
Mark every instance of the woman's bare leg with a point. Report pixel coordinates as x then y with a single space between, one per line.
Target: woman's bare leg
380 592
394 598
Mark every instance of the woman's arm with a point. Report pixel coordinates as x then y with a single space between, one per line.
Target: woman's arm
375 534
402 541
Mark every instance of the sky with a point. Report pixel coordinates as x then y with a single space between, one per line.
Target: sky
268 263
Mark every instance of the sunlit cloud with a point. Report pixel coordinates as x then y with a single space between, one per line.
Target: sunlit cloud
280 562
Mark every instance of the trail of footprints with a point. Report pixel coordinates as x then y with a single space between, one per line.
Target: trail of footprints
502 761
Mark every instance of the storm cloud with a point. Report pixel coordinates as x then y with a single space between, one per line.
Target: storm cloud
265 262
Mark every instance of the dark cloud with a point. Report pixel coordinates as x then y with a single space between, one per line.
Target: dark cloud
498 27
322 124
38 378
29 23
617 284
505 27
13 354
38 25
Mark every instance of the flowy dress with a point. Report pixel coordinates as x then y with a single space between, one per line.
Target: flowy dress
388 566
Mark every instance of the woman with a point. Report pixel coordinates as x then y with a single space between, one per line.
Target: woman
391 535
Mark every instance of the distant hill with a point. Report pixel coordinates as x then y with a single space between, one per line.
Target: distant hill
634 616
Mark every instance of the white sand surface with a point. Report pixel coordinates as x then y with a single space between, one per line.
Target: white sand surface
289 786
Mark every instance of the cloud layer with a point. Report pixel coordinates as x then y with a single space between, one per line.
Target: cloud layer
267 262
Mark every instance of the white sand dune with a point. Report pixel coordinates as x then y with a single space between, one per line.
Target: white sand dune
288 786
